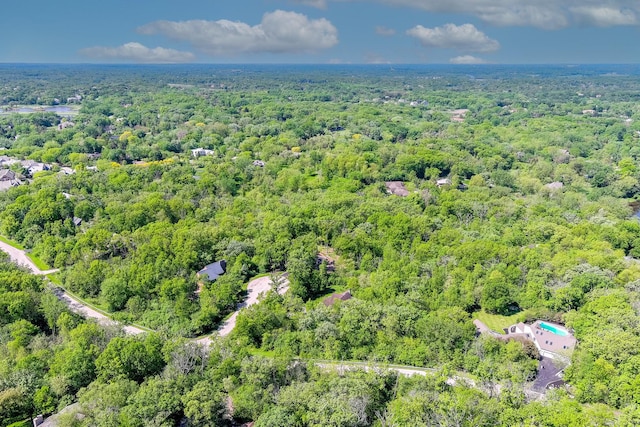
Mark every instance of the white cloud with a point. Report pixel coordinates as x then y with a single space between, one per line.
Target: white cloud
467 59
279 32
545 14
384 31
604 16
136 52
464 37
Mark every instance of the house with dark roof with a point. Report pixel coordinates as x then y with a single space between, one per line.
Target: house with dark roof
330 300
214 270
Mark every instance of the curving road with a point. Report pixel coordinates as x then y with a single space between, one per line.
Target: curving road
20 257
255 288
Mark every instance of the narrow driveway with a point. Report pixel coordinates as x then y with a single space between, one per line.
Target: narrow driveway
255 288
549 371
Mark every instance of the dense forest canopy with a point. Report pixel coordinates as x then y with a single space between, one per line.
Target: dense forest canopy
519 184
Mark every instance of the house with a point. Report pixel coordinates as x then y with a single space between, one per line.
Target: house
199 152
33 167
443 181
65 170
329 301
65 125
214 270
397 188
7 175
551 340
77 221
258 163
8 179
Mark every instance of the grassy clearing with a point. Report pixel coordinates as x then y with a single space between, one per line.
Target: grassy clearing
498 322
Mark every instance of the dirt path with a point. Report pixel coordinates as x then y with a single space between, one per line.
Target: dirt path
255 288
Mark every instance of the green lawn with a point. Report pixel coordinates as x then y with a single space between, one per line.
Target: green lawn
498 322
39 263
12 243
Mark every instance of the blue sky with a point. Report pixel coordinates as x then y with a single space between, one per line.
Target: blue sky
321 31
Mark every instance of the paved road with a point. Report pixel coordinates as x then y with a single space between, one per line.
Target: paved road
20 257
89 313
255 288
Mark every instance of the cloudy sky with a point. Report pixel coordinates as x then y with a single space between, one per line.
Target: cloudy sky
321 31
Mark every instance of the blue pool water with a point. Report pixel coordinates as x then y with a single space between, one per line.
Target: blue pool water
553 329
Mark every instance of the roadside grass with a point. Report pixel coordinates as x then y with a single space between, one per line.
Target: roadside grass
36 261
39 263
498 322
12 243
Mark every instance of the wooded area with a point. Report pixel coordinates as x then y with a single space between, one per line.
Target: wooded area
520 183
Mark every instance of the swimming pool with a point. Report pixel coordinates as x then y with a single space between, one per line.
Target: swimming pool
553 329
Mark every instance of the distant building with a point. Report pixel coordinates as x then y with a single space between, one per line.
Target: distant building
33 167
258 163
442 182
214 270
397 188
8 179
329 301
199 152
77 221
65 125
7 175
65 170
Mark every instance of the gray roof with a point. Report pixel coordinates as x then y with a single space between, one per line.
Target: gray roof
214 270
7 175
